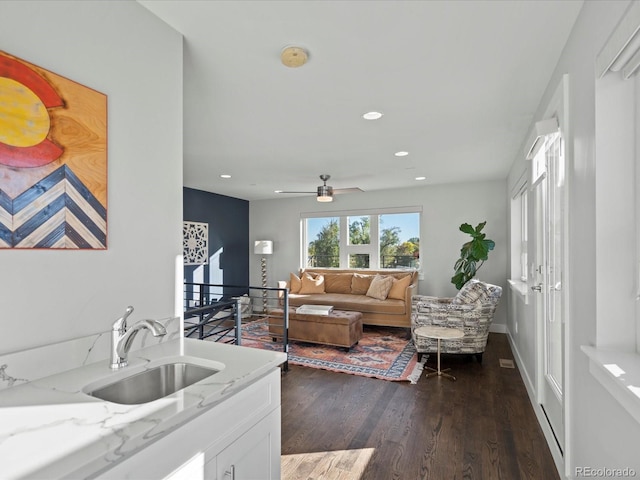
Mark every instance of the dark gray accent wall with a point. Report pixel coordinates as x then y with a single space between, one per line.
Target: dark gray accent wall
228 220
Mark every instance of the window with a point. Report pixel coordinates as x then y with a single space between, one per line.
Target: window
359 241
400 240
385 239
324 248
617 186
615 359
519 220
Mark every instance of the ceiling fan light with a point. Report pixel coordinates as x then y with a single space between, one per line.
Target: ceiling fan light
325 194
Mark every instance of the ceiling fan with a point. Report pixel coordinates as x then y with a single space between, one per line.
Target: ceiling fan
325 192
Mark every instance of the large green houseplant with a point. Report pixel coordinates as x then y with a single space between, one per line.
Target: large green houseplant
472 252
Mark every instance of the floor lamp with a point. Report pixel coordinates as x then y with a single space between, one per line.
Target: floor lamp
263 247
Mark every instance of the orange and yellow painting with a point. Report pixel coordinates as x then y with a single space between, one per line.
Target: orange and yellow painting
53 160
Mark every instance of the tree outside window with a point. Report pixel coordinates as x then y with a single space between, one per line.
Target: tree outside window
324 251
359 234
395 252
373 241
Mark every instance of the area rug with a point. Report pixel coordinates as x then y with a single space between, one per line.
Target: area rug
383 353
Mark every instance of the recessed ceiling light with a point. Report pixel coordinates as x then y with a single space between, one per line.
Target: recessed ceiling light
401 154
224 175
372 116
421 178
277 191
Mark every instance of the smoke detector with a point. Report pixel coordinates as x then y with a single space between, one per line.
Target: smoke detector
293 57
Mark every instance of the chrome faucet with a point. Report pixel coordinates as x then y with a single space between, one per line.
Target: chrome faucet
121 338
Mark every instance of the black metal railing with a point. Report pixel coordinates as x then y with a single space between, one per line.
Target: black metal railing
323 261
217 319
217 312
399 261
362 261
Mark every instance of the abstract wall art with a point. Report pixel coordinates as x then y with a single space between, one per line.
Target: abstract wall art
53 160
195 243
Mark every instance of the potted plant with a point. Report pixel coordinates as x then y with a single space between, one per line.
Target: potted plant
474 251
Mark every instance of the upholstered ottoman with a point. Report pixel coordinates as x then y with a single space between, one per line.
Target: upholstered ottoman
339 328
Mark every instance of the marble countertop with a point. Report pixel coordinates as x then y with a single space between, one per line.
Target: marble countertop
50 429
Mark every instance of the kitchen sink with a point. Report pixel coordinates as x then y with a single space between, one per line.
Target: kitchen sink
152 384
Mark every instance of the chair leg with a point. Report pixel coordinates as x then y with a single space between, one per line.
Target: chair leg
479 357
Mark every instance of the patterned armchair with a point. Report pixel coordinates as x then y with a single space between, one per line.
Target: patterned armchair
471 311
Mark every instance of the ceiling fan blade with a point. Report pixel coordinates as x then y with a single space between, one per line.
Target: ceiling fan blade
347 190
294 192
325 190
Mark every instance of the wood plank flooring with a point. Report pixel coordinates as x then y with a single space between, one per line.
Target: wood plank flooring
482 426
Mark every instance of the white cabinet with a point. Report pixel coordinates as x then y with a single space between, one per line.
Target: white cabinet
250 457
238 439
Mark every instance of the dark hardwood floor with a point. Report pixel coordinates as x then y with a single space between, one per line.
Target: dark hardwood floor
482 426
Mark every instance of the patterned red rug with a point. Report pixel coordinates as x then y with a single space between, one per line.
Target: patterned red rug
383 352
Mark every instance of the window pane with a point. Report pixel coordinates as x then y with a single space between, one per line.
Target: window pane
400 240
323 249
523 228
359 260
359 230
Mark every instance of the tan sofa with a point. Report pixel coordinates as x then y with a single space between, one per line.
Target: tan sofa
347 290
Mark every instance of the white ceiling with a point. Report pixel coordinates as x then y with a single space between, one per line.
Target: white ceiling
458 83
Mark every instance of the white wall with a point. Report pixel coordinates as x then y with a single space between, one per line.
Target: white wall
444 208
48 296
599 432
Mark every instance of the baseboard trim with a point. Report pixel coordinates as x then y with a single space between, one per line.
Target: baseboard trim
498 328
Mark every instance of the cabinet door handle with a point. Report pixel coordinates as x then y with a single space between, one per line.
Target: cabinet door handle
231 472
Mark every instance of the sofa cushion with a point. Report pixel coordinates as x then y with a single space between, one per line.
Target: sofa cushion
380 286
399 287
360 283
311 284
337 282
294 283
356 303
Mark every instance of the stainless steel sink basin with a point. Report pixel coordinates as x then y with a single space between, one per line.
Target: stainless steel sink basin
152 384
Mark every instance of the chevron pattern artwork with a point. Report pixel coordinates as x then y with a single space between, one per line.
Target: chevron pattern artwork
57 212
53 160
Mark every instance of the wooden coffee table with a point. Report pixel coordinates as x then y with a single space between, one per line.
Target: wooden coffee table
439 333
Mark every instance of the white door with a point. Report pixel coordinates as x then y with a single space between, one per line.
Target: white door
549 227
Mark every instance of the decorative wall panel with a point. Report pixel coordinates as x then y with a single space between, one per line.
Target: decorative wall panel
195 243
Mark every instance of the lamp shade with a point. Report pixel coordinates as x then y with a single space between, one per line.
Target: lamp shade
263 247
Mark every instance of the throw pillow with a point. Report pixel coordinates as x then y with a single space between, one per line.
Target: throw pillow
337 282
471 292
294 283
311 284
380 286
399 287
360 284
